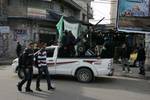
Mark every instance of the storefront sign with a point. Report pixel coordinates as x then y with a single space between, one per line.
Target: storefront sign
20 35
47 30
47 0
4 29
34 12
20 31
74 27
134 16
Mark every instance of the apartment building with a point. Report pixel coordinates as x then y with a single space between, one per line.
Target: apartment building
86 12
35 20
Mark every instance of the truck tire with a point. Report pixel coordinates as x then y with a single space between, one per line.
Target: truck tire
84 75
21 73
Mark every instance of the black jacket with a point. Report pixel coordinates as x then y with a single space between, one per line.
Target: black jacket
26 59
141 55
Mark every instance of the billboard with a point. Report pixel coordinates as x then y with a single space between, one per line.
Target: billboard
133 16
35 12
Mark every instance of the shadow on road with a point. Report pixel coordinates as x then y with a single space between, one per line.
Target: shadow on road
58 95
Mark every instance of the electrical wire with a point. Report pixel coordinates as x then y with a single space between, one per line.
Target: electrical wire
103 19
102 1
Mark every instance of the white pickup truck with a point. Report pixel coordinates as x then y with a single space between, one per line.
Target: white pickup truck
84 69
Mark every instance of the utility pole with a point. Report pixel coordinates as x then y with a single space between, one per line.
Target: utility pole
87 12
149 8
3 11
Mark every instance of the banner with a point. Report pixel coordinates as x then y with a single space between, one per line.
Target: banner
74 27
60 28
134 16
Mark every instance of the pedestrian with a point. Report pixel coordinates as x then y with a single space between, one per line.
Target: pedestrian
133 58
141 59
27 66
42 67
125 54
18 49
36 47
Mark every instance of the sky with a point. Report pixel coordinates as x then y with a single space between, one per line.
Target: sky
101 9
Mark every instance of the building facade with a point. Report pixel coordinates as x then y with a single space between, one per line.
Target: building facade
86 12
113 12
35 20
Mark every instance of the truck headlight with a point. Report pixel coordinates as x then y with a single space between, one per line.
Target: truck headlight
110 65
14 61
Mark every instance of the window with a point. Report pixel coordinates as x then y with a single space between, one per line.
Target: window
8 2
83 17
89 53
50 52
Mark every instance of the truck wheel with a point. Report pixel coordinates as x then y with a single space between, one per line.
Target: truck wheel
21 73
84 75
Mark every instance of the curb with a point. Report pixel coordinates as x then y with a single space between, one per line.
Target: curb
137 76
7 61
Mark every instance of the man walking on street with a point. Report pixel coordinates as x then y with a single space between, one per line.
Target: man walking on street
18 49
42 67
125 55
141 59
27 66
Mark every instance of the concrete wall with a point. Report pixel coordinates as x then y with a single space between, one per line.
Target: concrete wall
16 8
147 45
24 37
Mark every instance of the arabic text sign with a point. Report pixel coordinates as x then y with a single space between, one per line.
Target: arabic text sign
134 15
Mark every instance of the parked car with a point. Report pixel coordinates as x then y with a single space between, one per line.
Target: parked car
84 69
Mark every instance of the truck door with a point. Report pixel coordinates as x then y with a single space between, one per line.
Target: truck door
51 61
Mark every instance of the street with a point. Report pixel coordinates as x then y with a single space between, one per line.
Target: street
106 88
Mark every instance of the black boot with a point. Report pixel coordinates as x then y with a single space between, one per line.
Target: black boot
29 90
19 87
38 89
51 88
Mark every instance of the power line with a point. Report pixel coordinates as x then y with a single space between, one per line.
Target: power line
104 19
104 2
100 0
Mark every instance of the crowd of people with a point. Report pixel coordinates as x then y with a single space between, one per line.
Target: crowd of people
133 57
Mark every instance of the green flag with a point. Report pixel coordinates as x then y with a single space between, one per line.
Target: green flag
60 27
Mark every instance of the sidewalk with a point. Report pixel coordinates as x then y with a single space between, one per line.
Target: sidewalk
6 61
134 74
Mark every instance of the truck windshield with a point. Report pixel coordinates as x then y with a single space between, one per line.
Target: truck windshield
88 53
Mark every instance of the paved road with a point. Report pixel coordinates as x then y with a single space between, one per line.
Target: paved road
109 88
